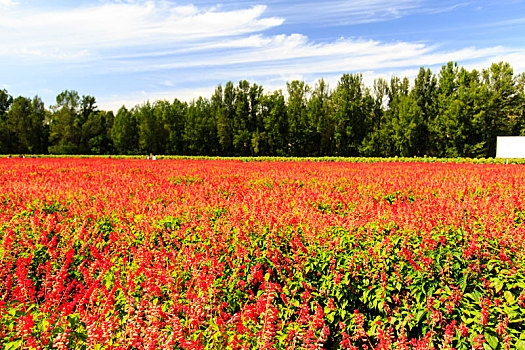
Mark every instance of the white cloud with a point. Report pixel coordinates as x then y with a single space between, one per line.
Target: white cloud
122 24
6 3
180 45
516 59
348 12
114 102
259 56
372 63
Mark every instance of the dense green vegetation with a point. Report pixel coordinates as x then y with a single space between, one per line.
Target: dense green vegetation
456 113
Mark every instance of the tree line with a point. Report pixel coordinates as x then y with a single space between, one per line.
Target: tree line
456 113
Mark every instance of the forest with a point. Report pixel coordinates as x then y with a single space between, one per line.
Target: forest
455 113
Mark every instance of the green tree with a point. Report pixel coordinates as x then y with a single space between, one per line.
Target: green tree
298 128
5 102
424 93
321 123
173 117
386 138
353 114
453 130
124 133
152 135
242 120
88 105
110 120
255 120
65 128
224 108
407 118
95 133
25 122
274 139
376 141
200 129
502 95
446 122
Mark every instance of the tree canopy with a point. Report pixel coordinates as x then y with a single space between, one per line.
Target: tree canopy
454 113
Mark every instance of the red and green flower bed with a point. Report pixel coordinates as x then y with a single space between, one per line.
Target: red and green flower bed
210 254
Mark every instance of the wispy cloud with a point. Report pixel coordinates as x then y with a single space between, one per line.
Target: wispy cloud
114 102
139 50
259 56
342 12
274 75
144 24
6 3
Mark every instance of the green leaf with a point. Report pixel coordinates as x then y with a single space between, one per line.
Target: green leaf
463 282
469 320
420 315
498 284
509 297
492 341
520 345
13 345
486 346
74 318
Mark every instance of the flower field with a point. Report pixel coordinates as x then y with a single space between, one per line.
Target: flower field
223 254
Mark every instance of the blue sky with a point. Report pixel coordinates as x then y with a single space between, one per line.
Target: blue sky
130 51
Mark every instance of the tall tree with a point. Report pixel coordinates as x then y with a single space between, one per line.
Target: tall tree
298 128
124 133
387 140
320 120
88 105
66 124
454 134
110 120
407 118
503 104
242 120
255 120
224 108
352 115
274 139
25 122
200 129
152 135
376 140
173 117
95 136
92 125
425 95
5 102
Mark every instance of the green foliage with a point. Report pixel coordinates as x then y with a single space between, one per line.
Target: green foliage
125 132
457 113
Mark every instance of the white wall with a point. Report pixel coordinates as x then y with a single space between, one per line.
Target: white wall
510 147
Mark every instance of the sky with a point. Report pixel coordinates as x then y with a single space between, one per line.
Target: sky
127 52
